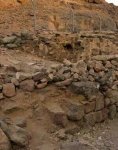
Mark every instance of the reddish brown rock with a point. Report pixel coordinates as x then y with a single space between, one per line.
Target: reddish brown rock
64 83
27 85
98 66
9 90
41 85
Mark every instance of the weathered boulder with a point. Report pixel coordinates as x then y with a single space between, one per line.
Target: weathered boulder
85 88
75 111
16 134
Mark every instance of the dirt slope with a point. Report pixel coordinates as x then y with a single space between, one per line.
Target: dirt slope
57 15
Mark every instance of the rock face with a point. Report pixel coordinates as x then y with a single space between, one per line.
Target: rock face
95 1
16 134
4 141
88 15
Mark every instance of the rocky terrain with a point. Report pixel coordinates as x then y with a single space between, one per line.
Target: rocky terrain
58 75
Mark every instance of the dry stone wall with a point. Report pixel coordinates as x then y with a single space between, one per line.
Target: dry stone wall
95 80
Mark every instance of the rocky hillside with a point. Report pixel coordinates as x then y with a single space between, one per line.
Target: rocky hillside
59 82
74 15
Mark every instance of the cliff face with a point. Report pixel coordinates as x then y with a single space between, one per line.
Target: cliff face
61 15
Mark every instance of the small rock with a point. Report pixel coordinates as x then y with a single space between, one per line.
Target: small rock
38 76
1 96
89 107
90 78
107 102
108 64
61 134
112 111
11 46
27 85
15 82
41 85
98 66
75 76
56 66
67 62
20 76
44 80
80 67
51 76
64 83
112 95
90 119
9 90
99 116
99 102
8 40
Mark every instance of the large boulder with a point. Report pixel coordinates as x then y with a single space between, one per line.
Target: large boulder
75 111
16 134
57 114
85 88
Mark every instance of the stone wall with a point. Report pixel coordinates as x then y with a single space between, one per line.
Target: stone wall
96 80
92 78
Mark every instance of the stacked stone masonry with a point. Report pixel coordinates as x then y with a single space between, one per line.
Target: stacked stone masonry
95 80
